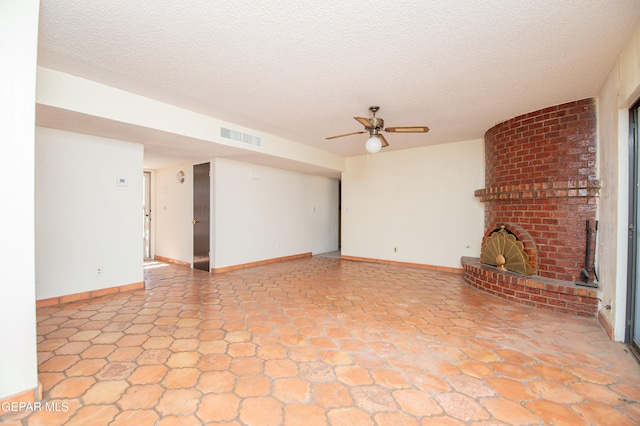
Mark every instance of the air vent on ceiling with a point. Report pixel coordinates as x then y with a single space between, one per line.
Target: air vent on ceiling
245 138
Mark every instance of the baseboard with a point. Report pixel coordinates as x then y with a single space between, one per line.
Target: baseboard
405 264
173 261
85 295
606 325
259 263
20 401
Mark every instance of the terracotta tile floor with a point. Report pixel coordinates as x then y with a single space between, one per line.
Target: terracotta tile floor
325 341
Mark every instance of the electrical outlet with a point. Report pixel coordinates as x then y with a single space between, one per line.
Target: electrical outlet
99 271
395 249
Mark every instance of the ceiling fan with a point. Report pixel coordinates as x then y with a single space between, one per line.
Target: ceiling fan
374 125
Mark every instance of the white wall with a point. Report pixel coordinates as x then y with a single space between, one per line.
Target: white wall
419 201
84 221
18 49
257 213
620 91
173 213
264 213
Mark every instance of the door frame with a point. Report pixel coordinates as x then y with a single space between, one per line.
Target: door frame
633 281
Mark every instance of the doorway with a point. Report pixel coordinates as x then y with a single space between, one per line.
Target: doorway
146 216
632 331
201 216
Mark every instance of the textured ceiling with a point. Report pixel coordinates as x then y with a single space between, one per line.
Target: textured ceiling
303 69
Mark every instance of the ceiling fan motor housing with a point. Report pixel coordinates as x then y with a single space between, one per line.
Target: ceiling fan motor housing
376 123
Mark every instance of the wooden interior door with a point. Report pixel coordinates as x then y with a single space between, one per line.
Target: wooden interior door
201 216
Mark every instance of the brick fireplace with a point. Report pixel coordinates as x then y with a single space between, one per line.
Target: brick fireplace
541 187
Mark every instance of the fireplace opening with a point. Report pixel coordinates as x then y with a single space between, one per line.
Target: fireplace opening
503 250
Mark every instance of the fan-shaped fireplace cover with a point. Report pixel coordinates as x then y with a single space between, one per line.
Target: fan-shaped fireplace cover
503 250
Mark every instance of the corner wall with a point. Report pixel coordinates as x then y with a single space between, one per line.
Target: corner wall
420 201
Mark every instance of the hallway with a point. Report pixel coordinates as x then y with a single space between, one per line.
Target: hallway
321 341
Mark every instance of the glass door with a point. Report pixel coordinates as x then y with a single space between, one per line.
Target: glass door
632 334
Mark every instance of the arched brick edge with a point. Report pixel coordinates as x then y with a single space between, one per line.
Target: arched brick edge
534 290
521 235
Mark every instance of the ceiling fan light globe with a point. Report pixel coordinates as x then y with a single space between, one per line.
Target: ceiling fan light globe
373 145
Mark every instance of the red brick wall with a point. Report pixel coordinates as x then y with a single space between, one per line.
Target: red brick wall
540 173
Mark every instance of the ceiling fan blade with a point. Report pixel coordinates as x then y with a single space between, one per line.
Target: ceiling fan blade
364 121
409 129
383 140
346 134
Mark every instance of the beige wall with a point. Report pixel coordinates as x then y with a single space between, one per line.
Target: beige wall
420 201
620 91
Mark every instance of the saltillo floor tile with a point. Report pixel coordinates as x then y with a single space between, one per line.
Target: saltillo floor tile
324 341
